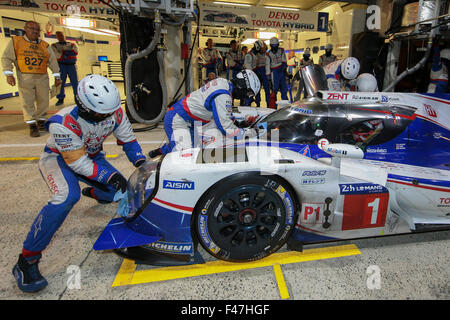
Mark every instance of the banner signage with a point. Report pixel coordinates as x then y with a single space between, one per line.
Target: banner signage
260 17
69 7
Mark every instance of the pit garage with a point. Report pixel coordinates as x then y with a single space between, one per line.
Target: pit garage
370 222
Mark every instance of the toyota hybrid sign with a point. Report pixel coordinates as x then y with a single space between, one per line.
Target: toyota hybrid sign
257 17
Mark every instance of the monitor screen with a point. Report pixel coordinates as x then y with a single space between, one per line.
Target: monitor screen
102 58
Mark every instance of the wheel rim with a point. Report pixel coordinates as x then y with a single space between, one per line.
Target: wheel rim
245 219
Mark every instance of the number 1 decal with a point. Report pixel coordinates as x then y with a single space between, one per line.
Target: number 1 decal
375 205
364 211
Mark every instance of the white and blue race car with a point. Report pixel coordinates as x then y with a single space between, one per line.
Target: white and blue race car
349 165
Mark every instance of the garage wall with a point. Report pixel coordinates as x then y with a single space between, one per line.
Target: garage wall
344 22
89 49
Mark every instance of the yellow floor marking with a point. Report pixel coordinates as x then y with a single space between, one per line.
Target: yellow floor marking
219 266
125 273
284 293
37 158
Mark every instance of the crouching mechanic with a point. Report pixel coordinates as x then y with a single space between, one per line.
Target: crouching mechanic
339 73
73 154
213 101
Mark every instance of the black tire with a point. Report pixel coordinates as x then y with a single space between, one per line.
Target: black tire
245 217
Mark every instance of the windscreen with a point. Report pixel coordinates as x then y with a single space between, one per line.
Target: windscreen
295 124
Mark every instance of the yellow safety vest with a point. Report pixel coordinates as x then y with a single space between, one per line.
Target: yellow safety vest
31 57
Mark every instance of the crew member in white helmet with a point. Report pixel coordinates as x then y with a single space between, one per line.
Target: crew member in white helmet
212 102
366 82
73 153
340 72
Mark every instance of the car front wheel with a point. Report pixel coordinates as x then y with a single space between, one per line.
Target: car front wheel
245 217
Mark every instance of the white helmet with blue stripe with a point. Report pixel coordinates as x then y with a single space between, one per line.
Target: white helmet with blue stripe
98 94
246 84
350 68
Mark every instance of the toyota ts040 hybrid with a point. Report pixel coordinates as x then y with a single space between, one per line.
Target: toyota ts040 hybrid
344 166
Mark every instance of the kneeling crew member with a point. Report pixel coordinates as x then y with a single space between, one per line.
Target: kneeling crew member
73 153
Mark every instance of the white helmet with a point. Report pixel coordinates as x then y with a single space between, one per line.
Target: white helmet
350 68
246 84
366 82
98 94
258 45
274 41
445 54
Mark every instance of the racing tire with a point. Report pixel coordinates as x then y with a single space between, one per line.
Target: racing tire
245 217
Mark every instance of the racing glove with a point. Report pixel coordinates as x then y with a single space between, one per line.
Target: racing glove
249 120
123 208
139 163
251 132
118 181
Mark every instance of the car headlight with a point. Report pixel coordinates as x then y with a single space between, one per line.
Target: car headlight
141 185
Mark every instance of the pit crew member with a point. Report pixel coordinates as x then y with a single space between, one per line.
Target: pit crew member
213 101
73 153
257 61
340 72
278 66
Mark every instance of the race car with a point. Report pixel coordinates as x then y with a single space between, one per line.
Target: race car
323 169
225 17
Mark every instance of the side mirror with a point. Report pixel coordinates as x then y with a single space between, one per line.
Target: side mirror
337 151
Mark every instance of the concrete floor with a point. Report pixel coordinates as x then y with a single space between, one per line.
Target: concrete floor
411 266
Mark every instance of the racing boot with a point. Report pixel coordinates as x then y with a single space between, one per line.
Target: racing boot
34 131
89 192
155 153
41 125
27 274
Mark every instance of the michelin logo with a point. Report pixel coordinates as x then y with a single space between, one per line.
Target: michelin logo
179 185
173 247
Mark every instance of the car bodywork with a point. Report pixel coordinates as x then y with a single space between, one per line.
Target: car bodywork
399 184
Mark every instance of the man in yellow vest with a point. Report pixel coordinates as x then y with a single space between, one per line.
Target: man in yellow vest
31 58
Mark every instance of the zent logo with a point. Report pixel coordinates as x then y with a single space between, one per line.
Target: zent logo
337 96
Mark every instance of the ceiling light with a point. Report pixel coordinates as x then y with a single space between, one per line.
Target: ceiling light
267 35
249 41
75 22
232 4
109 31
281 8
90 31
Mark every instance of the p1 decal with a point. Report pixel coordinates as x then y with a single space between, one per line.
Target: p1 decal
312 213
365 211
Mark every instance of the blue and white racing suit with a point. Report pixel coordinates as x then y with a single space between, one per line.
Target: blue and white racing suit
69 132
438 74
260 64
211 58
278 66
234 66
335 81
213 101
